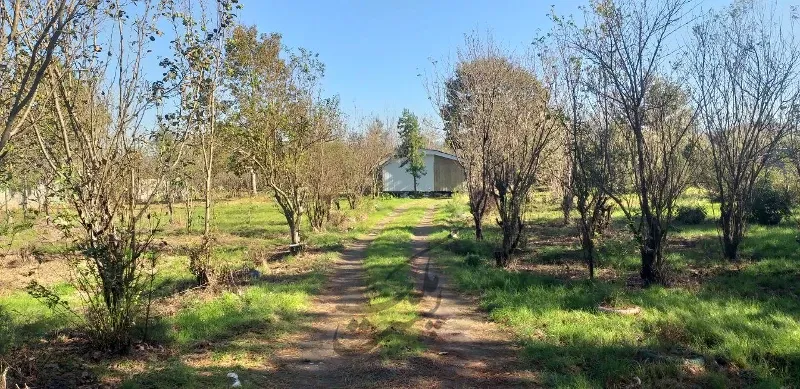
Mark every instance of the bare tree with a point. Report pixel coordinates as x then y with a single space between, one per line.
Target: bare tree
30 33
366 150
328 174
589 145
746 70
499 120
468 101
98 102
528 126
625 42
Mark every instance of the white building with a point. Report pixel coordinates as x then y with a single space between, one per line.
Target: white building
443 173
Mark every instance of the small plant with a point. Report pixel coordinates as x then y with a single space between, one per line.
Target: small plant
770 205
6 331
462 246
337 219
690 215
473 260
200 261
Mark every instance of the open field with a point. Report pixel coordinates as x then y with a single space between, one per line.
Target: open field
716 324
242 323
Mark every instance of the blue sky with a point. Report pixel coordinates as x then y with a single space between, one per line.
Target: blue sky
374 50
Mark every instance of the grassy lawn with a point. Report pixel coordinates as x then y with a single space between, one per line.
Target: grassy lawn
203 334
716 326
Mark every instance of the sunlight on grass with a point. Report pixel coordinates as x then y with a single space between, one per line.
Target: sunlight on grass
387 265
743 325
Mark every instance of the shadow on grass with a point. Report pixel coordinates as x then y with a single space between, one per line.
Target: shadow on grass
738 324
343 371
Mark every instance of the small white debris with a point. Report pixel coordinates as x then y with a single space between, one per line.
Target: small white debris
236 382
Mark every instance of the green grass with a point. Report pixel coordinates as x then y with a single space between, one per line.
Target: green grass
27 319
390 286
743 324
268 307
244 323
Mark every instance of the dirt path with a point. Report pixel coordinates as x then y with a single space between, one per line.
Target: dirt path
464 348
313 360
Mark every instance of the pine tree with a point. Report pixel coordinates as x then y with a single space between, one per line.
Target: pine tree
411 147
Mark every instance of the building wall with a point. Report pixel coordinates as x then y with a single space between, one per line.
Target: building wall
448 174
397 179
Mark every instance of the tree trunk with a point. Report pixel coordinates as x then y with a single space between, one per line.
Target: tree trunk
207 215
652 261
171 206
566 204
731 232
294 228
511 226
188 210
24 203
45 201
651 239
478 219
253 183
415 184
588 251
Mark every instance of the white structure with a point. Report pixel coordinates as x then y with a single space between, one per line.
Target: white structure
443 173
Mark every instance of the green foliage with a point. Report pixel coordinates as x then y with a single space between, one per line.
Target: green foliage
411 146
770 204
690 215
7 333
264 306
473 260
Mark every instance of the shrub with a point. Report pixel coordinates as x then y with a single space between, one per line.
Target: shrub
770 205
690 215
200 261
473 260
337 219
462 246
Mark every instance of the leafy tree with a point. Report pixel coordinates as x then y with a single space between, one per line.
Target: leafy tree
411 145
195 74
278 116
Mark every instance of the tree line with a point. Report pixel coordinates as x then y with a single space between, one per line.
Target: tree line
88 119
616 107
625 107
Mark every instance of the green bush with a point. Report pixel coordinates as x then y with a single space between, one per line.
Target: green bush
770 205
473 260
690 215
463 246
